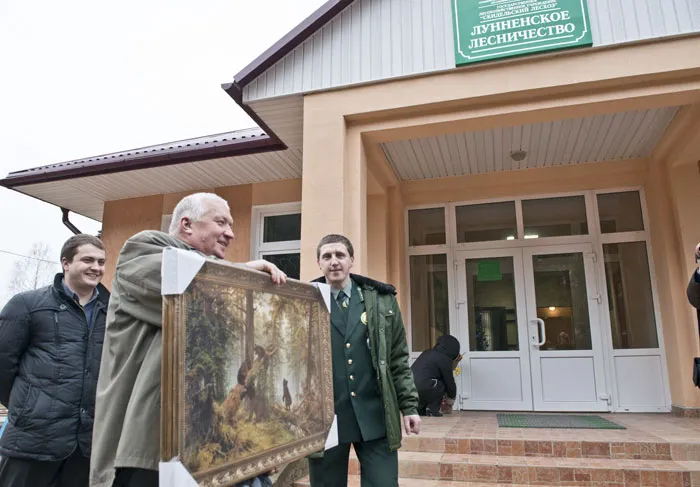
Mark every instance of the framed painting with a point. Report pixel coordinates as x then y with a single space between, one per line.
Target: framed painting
247 373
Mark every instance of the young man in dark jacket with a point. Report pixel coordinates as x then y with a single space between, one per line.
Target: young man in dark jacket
432 372
50 349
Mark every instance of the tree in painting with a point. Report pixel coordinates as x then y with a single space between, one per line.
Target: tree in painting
249 368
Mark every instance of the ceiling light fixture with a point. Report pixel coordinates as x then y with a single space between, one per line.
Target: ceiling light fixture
518 155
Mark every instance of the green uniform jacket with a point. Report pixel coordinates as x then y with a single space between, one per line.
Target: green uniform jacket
389 351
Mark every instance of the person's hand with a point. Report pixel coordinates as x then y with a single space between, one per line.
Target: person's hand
411 424
276 275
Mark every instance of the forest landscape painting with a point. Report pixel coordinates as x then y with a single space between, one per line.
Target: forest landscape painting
247 380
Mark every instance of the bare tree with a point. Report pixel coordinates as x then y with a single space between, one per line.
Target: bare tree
34 271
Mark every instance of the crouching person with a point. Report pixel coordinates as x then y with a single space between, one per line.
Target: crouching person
432 372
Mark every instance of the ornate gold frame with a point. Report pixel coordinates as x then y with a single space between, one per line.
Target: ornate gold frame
173 420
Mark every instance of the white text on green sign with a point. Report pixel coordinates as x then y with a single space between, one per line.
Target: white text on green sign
491 29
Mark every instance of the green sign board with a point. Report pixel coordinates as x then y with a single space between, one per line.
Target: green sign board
493 29
488 270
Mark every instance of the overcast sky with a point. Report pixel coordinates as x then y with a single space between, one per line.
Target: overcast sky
82 78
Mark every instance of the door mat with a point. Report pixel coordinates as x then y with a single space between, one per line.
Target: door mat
569 421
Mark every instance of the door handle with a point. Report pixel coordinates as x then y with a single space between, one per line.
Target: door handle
540 325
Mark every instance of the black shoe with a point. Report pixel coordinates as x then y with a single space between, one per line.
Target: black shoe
435 414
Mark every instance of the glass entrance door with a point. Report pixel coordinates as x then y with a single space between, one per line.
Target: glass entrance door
493 331
529 326
566 359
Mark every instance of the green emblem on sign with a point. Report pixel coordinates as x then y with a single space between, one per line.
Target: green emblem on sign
488 270
492 29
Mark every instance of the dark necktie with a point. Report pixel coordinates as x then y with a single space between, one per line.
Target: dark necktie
343 301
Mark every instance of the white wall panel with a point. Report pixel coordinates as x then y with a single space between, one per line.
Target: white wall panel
374 40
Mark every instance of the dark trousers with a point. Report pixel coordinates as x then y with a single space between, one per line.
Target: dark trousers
135 477
378 466
431 398
138 477
74 471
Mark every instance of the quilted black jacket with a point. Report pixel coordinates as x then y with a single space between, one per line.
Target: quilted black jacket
49 364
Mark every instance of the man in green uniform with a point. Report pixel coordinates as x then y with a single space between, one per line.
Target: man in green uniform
373 384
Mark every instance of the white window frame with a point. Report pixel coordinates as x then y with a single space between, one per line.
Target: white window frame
258 248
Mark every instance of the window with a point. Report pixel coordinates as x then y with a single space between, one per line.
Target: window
555 217
429 300
282 228
276 236
620 212
486 222
493 324
631 305
426 227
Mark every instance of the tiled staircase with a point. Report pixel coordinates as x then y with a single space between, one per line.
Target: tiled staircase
462 451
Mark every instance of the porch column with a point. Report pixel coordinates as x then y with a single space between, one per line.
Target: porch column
334 184
377 237
397 246
672 194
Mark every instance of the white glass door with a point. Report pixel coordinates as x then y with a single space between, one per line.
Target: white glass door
529 325
493 330
563 323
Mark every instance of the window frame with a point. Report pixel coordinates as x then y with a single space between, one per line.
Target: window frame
258 248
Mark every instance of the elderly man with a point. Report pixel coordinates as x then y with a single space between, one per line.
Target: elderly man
127 422
50 348
372 382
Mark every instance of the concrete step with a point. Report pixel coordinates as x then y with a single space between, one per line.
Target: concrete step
354 481
418 469
630 450
525 470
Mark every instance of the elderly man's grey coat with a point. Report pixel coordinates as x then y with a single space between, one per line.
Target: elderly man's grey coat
127 416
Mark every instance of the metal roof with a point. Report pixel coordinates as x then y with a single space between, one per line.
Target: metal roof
228 144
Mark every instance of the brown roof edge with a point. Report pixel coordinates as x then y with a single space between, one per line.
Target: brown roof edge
290 41
236 92
132 161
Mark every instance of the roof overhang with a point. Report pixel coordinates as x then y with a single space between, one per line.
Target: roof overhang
228 159
230 144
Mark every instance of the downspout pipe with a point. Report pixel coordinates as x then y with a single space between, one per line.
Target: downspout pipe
68 223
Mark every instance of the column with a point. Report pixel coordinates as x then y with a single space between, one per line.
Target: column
334 184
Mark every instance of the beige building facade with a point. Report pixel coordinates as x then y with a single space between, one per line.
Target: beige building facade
540 208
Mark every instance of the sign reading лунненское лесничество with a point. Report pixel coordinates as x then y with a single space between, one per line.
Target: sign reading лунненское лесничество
492 29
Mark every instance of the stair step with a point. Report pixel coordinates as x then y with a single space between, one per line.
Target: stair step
540 470
354 481
635 450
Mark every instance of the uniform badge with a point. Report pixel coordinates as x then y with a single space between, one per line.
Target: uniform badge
363 318
345 303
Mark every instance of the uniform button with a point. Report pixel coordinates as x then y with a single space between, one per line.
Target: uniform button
352 377
353 394
350 362
347 345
